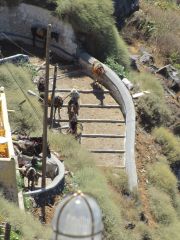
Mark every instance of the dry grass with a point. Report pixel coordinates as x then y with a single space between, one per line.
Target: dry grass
169 143
161 177
17 81
167 34
161 207
95 27
118 180
89 178
153 112
23 222
147 82
151 108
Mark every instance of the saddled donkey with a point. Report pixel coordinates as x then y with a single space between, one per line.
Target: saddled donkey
75 128
41 33
73 104
41 86
31 174
58 103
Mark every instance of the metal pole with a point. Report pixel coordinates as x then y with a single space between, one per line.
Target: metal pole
45 122
52 96
7 231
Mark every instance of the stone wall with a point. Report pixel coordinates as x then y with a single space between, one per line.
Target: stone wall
16 22
122 96
8 179
7 164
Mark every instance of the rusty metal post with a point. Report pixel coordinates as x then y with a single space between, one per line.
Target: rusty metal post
7 231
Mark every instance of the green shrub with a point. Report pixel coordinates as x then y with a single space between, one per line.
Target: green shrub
168 232
93 21
116 67
167 26
161 176
148 82
161 207
89 178
153 111
145 232
118 180
169 143
28 227
17 81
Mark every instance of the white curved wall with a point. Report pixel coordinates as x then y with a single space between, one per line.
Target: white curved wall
18 21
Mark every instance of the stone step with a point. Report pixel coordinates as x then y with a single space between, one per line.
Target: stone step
102 136
94 120
106 151
96 106
81 91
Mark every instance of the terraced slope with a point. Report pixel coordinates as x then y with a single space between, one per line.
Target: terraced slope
102 119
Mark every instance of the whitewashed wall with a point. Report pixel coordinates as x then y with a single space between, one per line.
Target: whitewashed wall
18 21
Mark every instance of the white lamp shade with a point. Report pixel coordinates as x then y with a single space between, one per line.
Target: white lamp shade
78 216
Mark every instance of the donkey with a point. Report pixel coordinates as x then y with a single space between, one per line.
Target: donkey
58 103
41 33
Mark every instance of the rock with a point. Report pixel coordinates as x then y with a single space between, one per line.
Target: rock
153 68
127 83
143 217
146 58
130 225
172 74
134 62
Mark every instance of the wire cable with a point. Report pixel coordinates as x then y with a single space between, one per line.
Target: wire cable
26 97
17 45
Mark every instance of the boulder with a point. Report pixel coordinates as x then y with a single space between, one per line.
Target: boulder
146 58
172 74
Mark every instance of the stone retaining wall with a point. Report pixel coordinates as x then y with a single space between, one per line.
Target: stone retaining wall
16 22
120 93
44 195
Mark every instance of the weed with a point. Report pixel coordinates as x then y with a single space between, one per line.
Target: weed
116 67
169 143
118 180
153 111
29 227
93 23
161 176
161 207
147 82
17 81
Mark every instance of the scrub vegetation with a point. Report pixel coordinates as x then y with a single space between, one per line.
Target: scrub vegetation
95 27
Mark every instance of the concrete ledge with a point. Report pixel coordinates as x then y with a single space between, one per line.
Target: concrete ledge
122 96
39 43
45 194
